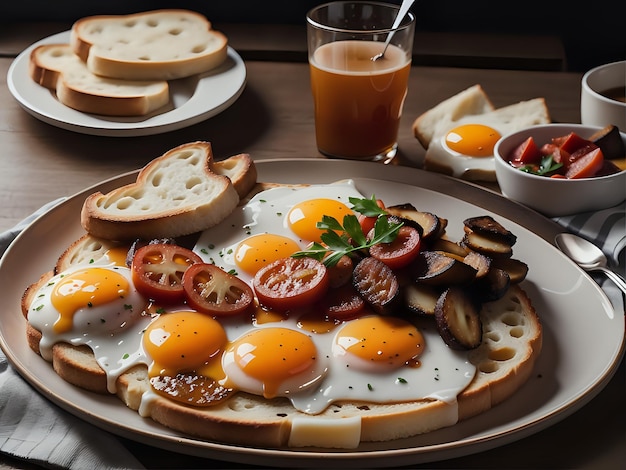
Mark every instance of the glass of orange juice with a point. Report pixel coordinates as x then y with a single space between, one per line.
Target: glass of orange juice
358 100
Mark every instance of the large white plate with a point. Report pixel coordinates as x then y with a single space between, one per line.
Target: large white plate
573 309
192 99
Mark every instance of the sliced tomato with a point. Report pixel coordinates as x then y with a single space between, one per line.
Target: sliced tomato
400 252
525 153
157 270
210 289
586 166
572 142
291 283
559 155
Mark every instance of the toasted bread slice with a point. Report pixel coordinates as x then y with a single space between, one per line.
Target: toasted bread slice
241 171
473 100
175 194
504 361
510 325
154 45
56 67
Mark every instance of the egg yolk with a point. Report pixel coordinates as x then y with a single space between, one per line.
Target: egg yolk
183 341
259 250
86 288
304 216
379 342
274 355
473 140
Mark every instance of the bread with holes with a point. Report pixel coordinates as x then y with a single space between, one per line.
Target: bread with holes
57 68
154 45
504 362
512 342
175 194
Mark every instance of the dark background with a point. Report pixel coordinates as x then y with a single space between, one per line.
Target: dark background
592 33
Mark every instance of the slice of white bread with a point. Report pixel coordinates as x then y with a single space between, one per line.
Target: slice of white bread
176 194
473 100
505 360
512 341
160 44
56 67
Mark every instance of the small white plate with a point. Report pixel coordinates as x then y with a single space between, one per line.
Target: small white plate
192 100
583 334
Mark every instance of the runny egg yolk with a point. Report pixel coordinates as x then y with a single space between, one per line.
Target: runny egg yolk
473 140
378 343
259 250
304 216
183 341
273 356
86 288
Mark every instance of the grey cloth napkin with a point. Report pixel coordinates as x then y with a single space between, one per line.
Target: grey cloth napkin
606 229
36 430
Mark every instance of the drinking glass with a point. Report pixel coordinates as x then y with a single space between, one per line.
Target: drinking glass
358 100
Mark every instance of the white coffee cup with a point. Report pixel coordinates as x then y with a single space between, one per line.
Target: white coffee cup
600 103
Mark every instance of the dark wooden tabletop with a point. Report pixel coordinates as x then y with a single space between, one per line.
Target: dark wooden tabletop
273 118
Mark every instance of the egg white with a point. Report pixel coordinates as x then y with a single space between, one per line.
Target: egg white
113 331
266 212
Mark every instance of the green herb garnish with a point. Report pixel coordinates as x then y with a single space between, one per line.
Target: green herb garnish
545 168
343 239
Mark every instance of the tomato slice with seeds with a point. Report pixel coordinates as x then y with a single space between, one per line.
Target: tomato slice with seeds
157 270
401 251
210 289
291 283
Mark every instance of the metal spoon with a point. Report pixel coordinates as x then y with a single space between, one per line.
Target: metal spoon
404 9
587 256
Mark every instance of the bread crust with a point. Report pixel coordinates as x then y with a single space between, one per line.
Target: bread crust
175 194
512 341
504 361
162 44
57 68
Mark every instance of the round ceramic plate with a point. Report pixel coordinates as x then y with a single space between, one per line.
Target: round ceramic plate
573 309
192 99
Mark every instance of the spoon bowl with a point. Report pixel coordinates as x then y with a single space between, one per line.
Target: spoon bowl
588 256
404 9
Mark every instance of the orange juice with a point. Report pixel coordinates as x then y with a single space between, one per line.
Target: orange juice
358 102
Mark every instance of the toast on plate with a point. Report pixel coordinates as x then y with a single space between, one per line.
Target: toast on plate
154 45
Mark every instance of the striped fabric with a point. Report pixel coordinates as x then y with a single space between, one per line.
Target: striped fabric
606 229
35 430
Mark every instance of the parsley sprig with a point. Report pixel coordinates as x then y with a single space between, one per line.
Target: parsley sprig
341 239
545 168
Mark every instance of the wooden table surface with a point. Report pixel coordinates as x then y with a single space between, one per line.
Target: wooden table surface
273 118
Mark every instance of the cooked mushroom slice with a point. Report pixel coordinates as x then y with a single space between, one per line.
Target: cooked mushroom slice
515 268
479 262
420 299
448 246
429 225
610 142
487 245
436 268
493 286
488 226
457 317
377 284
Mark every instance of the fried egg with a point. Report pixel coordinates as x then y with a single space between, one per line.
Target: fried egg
95 305
464 148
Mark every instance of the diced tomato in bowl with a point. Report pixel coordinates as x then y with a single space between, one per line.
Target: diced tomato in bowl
562 169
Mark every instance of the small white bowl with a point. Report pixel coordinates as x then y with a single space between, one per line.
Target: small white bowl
596 109
551 196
